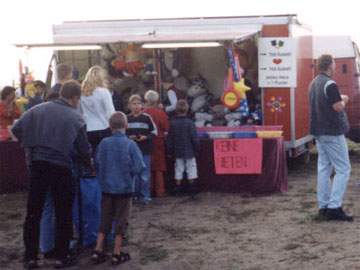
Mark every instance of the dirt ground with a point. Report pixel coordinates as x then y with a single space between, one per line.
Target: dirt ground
223 231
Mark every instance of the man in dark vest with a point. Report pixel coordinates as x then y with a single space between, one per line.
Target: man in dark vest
328 123
52 133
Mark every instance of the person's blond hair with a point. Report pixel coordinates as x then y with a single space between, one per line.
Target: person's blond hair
151 97
95 77
134 97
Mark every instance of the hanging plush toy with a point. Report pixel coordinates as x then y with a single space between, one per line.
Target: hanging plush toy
234 97
235 92
128 61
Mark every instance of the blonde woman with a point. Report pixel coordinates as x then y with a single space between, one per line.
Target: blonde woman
96 105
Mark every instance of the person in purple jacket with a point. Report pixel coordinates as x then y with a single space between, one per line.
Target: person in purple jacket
118 160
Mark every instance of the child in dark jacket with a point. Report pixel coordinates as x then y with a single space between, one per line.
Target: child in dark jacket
183 144
118 159
142 130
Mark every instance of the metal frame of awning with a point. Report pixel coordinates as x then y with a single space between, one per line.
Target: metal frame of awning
97 45
56 45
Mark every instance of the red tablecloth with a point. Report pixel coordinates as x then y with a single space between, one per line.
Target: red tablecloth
14 176
272 179
13 171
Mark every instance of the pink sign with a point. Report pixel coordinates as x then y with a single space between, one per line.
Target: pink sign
238 156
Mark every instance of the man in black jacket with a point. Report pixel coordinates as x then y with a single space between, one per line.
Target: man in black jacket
50 133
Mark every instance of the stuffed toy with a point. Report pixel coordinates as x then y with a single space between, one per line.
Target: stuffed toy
132 68
255 117
195 91
198 95
218 112
198 87
128 60
199 103
233 119
203 119
149 68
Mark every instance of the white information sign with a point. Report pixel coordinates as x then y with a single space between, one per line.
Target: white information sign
277 62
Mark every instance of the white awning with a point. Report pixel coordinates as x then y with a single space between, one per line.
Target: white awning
162 30
81 33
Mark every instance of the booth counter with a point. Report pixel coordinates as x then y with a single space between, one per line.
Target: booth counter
13 171
273 176
272 179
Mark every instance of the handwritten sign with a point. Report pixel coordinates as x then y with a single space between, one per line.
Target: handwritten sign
238 156
277 62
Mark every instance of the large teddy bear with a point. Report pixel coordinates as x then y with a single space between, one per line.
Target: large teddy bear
198 95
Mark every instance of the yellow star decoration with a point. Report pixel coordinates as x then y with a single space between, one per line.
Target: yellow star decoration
241 88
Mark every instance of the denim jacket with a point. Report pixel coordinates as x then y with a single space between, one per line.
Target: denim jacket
118 159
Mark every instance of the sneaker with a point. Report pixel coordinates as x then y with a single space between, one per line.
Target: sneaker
322 213
31 264
64 263
125 241
145 201
338 214
178 191
50 254
193 190
98 257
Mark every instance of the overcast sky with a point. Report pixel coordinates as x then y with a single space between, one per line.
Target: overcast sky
24 21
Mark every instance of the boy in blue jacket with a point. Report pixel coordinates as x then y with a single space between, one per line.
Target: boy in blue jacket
118 159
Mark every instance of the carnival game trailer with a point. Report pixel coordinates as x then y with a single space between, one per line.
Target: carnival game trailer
236 72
